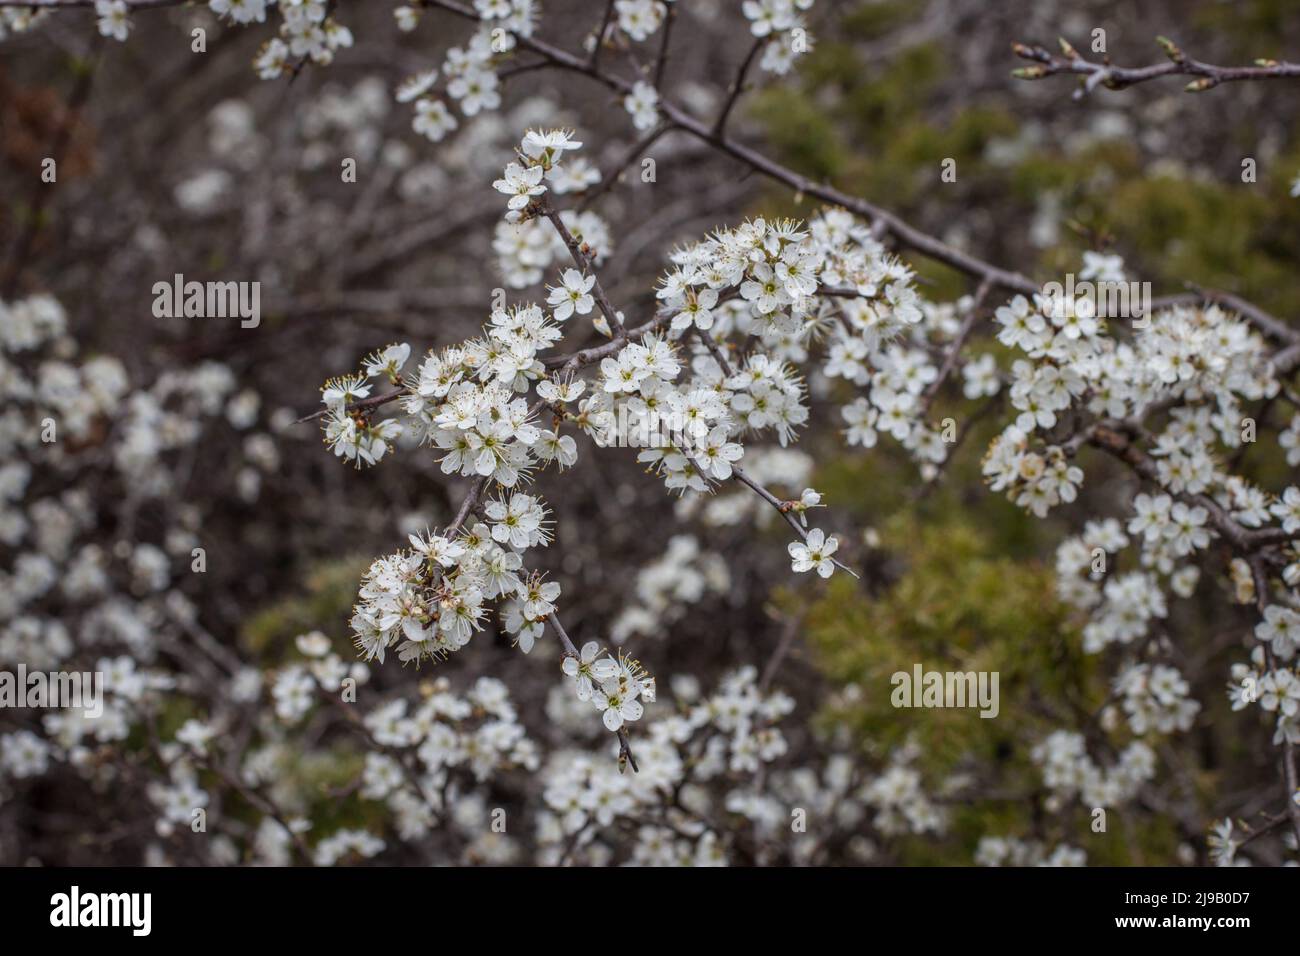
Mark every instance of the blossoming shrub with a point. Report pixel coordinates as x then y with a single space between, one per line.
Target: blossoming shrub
466 694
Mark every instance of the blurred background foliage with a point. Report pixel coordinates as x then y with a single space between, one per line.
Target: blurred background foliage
323 601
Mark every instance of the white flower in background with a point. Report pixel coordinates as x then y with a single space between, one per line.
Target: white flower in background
639 18
343 843
1281 629
313 644
643 104
475 90
415 86
1186 530
769 16
272 60
493 9
574 176
432 119
1280 691
1290 441
981 377
24 754
240 11
1287 510
861 418
1223 848
408 18
114 19
780 54
294 693
1099 267
196 735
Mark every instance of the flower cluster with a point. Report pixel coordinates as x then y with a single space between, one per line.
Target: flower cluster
615 686
541 155
1069 771
667 587
428 601
715 751
1181 357
525 249
1154 698
1010 851
526 246
78 439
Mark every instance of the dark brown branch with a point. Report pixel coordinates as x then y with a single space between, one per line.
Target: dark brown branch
737 87
662 62
374 401
600 34
1106 74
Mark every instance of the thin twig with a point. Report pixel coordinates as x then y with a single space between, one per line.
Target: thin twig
1113 77
737 87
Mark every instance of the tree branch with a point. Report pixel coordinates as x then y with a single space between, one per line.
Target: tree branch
1106 74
